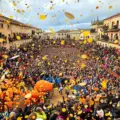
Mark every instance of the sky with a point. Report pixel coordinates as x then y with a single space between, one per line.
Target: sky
84 11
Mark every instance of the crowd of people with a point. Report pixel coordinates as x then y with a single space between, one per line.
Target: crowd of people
87 76
18 36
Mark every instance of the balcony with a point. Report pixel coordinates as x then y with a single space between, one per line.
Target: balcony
105 28
114 28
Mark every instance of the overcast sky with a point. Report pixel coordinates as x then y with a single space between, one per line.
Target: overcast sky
84 12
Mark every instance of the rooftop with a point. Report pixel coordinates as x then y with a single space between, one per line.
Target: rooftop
118 14
97 23
12 21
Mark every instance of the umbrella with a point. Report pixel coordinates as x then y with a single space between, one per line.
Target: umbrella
82 84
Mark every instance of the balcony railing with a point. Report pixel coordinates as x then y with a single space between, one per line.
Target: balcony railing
114 27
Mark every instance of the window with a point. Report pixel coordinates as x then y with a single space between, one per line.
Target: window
118 23
0 35
1 25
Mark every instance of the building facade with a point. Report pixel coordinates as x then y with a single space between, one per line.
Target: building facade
10 27
96 29
112 27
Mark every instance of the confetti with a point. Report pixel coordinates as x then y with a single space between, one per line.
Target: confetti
62 42
110 7
11 17
43 17
18 11
97 7
14 4
69 15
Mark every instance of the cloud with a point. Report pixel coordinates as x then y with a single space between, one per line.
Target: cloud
84 12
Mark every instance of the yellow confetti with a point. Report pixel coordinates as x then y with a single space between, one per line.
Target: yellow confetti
51 7
18 37
18 11
104 83
89 40
44 57
11 17
49 63
62 42
110 7
14 4
54 42
8 22
69 15
66 61
84 56
86 33
19 118
53 32
33 117
23 11
83 65
76 38
84 42
43 17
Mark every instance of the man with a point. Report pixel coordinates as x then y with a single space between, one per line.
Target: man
40 114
